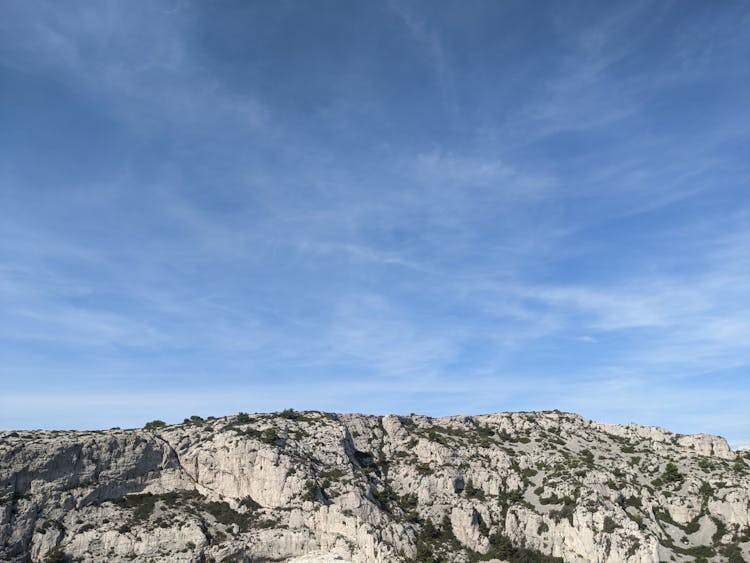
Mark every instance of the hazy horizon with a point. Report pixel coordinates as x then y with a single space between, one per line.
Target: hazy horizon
383 207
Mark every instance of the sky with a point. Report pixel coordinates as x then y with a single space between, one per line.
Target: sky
379 207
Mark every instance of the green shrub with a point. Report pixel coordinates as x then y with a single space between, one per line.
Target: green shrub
721 529
733 553
270 435
249 503
408 502
567 510
412 516
637 518
155 424
635 502
739 465
663 514
552 499
225 514
698 552
672 474
141 504
610 525
424 469
432 539
633 548
310 492
56 555
705 464
502 548
473 492
692 526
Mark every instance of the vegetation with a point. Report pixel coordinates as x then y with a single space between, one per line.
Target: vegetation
249 503
432 541
739 465
291 414
270 435
567 510
473 492
311 491
424 469
142 505
610 525
56 555
502 548
225 514
635 502
705 465
721 530
733 553
155 425
672 474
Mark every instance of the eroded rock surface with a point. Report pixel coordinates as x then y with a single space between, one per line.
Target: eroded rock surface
543 486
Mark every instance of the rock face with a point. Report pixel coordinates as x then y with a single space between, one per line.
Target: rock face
544 486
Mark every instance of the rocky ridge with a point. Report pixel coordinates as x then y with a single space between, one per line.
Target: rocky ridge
312 486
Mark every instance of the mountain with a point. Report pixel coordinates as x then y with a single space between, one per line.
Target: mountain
312 486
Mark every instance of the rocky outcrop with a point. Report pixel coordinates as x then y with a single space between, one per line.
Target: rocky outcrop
545 486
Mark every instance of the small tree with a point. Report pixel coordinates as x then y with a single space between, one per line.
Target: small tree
672 474
155 424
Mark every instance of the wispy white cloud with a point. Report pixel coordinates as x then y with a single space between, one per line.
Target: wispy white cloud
134 57
429 39
550 236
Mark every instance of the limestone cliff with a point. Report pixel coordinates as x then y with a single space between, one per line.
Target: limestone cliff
537 486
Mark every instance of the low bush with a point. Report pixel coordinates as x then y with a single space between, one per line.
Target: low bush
56 555
610 525
424 469
672 474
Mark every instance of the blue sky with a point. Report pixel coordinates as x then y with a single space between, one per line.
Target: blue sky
375 206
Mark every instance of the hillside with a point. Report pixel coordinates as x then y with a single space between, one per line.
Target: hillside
536 486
